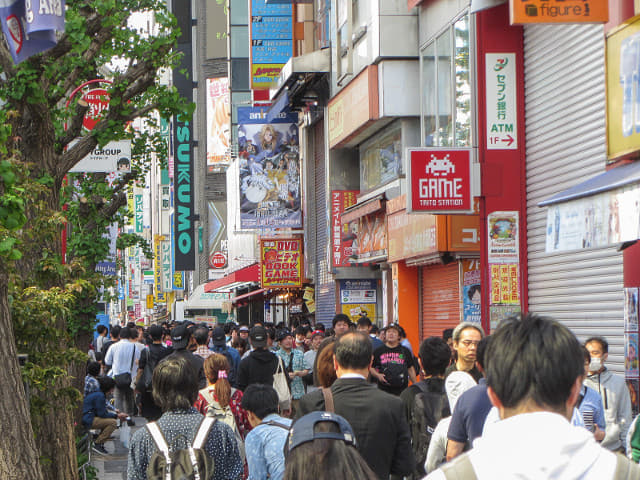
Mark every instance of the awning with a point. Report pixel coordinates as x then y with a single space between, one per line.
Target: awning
246 296
361 209
477 5
250 274
610 180
201 300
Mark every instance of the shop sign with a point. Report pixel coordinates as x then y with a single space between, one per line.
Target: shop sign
167 278
558 11
354 107
157 270
149 302
341 239
280 262
439 181
411 235
623 91
502 122
358 298
139 210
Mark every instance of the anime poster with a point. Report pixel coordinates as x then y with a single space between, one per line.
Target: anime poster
503 237
631 310
269 170
368 235
471 294
631 369
218 242
218 122
634 390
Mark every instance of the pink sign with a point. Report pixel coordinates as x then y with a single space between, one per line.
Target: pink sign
341 238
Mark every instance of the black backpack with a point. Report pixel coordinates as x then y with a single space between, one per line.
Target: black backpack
430 405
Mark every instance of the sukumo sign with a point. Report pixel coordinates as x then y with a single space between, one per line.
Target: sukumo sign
185 257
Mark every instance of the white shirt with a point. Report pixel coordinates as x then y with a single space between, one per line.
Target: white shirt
119 357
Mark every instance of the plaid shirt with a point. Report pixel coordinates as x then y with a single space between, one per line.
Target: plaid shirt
203 351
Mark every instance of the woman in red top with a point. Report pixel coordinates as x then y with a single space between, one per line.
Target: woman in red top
220 390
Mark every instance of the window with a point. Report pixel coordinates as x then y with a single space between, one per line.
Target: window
381 159
446 87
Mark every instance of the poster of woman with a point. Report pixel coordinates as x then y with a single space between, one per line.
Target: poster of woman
631 355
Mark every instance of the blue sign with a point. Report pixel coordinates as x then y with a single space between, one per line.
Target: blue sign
261 7
106 268
271 28
271 51
258 115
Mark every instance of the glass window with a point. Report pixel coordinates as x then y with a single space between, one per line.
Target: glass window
239 12
381 160
446 88
239 42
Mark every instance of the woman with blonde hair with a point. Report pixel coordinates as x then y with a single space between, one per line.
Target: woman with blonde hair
218 397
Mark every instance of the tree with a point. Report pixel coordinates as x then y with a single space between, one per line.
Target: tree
46 304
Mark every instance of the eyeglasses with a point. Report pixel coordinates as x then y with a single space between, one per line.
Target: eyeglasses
468 343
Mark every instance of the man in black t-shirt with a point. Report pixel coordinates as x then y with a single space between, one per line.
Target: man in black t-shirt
393 364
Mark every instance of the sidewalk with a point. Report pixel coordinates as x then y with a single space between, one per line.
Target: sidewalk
114 466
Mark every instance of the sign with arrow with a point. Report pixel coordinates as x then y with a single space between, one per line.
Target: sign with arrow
502 125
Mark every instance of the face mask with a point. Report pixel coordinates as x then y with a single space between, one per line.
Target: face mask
595 365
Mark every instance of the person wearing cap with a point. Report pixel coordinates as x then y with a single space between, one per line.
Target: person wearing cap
243 332
322 445
260 365
219 345
293 361
377 418
151 355
265 442
180 336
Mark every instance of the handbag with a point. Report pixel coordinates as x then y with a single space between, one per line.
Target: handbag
123 380
145 383
281 386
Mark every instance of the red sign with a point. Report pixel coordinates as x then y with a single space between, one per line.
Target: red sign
98 100
280 262
341 237
439 181
218 260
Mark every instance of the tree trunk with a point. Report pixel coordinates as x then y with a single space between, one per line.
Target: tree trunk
22 462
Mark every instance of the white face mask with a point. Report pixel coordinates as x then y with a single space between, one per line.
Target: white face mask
595 364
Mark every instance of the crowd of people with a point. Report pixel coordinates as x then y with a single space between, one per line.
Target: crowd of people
354 401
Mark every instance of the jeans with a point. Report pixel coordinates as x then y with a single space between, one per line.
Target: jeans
124 400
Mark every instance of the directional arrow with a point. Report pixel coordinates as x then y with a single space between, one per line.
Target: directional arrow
509 139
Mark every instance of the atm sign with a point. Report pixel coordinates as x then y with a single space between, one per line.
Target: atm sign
440 181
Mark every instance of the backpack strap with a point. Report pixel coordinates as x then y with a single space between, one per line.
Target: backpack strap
203 432
273 423
328 399
161 444
460 468
625 469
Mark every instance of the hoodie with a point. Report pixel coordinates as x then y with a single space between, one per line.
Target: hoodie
258 367
617 406
538 446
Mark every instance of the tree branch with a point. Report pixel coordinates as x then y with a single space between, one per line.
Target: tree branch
75 127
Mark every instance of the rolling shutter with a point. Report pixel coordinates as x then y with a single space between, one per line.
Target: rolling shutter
440 298
566 144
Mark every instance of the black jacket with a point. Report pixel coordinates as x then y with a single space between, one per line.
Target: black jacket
258 367
377 418
196 362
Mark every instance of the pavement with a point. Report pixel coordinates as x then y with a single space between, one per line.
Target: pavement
114 465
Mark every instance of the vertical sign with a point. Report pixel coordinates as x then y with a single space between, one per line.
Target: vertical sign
185 244
280 262
502 122
218 123
341 240
157 270
631 347
167 278
139 213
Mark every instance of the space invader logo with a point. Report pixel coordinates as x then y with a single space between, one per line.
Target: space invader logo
440 166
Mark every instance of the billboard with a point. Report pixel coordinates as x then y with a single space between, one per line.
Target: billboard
269 170
281 262
341 238
218 122
218 242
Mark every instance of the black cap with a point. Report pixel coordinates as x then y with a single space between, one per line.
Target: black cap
218 337
180 337
284 334
302 430
258 336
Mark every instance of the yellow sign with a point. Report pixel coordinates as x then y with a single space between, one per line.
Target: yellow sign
281 262
355 311
623 92
149 302
263 75
559 11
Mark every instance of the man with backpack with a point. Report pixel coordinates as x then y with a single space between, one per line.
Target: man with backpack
219 345
393 363
425 402
149 358
534 378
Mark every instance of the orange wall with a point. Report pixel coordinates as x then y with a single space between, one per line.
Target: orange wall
409 303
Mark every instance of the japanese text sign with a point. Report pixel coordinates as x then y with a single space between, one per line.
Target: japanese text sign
341 241
439 181
280 262
502 126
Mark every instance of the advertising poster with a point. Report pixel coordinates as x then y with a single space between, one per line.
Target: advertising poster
368 235
631 356
358 298
218 242
634 390
471 294
115 156
218 122
497 313
281 262
157 269
505 284
503 237
269 170
341 241
631 310
271 41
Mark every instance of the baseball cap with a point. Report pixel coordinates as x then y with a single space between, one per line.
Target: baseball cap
258 336
218 337
243 328
284 334
303 430
180 336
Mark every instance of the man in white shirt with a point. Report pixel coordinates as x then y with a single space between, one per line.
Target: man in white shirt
123 357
